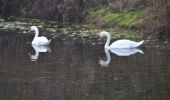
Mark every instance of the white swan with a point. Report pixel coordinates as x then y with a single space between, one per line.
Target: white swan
38 49
39 40
123 43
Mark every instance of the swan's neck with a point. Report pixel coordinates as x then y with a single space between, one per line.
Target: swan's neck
36 33
107 41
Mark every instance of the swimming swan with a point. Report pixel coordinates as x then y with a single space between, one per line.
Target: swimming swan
123 43
39 40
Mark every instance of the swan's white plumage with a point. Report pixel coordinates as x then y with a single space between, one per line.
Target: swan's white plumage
39 40
123 43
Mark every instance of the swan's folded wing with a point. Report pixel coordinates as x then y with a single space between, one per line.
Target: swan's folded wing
124 44
43 41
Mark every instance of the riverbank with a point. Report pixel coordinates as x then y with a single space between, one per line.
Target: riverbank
150 16
46 27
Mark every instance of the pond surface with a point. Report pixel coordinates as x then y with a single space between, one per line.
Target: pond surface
72 70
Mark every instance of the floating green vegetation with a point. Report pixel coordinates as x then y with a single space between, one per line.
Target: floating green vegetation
71 31
119 33
106 18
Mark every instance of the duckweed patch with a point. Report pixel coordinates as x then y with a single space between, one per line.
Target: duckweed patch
72 32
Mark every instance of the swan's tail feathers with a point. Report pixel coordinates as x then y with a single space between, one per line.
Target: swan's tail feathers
139 43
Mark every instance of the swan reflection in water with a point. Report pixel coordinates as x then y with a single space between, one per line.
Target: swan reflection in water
118 52
38 49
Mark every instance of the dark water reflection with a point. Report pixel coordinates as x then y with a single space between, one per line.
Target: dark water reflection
71 72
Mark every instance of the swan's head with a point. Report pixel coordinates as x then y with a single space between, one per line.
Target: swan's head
103 34
33 28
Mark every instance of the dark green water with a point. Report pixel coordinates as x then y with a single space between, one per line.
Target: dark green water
71 71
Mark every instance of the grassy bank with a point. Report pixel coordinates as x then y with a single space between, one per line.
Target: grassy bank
103 17
120 25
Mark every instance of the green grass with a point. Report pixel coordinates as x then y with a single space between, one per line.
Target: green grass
118 24
108 18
